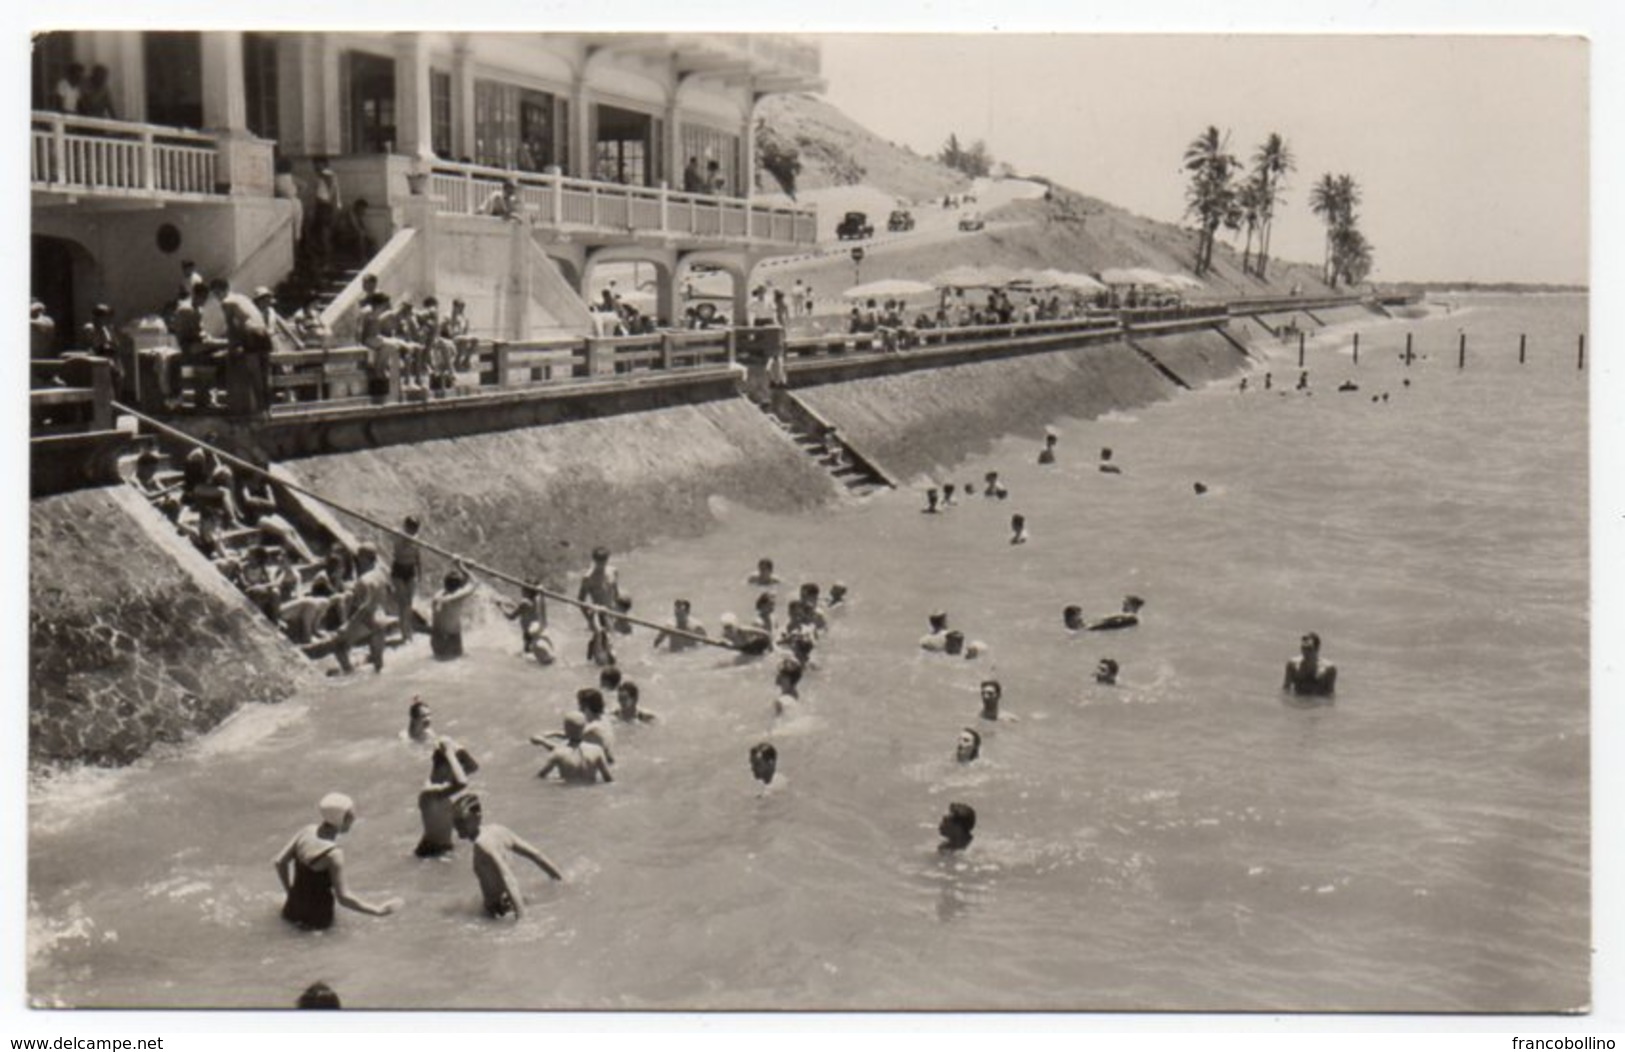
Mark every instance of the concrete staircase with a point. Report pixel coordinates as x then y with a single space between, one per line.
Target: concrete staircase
818 439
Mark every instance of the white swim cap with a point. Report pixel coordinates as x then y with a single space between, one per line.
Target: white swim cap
334 807
730 621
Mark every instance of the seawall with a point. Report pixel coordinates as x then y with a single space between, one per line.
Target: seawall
537 500
923 421
134 638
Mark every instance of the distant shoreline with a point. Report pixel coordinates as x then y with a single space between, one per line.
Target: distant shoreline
1481 286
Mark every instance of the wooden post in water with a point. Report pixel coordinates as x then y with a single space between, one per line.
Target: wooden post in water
1461 353
1408 354
1581 364
1523 341
1356 348
1300 350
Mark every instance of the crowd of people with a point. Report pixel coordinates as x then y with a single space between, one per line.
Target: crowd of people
583 750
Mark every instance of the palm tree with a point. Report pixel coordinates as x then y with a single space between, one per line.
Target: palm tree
1325 202
1270 164
1210 197
1250 203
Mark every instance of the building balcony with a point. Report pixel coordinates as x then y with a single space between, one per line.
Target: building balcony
71 157
613 212
774 61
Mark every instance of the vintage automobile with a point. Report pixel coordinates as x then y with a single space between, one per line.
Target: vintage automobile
900 219
855 226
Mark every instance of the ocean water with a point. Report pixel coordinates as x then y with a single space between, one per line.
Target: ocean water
1187 839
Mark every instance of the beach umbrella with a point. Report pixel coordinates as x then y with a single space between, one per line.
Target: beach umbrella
887 288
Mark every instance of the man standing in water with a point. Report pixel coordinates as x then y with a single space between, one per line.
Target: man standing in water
578 762
449 769
368 621
764 763
311 869
601 586
1307 674
499 885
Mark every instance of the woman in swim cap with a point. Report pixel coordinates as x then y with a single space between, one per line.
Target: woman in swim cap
311 869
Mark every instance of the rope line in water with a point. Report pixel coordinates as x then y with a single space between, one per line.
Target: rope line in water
488 571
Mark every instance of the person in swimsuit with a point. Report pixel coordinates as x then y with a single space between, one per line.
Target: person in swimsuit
1307 674
499 886
449 769
1047 454
368 620
311 869
404 570
1018 529
764 576
1106 672
600 586
1128 617
969 746
446 614
764 763
681 619
419 720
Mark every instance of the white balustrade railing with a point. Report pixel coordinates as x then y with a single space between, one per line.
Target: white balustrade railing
562 201
120 156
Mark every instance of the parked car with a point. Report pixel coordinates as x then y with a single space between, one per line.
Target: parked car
971 221
855 226
900 219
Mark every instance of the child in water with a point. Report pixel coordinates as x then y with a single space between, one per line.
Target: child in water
493 844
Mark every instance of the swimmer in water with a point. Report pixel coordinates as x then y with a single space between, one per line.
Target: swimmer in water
600 586
744 638
578 762
788 682
837 596
627 696
765 605
319 995
448 777
764 576
1106 672
994 487
492 846
992 695
1243 386
1199 488
1018 529
969 746
1106 464
1047 454
948 495
419 720
953 644
956 827
1127 618
311 870
1269 381
1307 674
930 502
681 612
936 638
764 763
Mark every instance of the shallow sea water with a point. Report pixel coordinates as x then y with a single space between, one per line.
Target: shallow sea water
1184 840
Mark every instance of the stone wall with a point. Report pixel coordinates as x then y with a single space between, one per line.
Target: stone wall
134 638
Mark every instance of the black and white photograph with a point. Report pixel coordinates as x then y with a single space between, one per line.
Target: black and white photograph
809 519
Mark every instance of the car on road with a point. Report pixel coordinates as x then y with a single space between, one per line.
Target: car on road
854 226
971 221
900 219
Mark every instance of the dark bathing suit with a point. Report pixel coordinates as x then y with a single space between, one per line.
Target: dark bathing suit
310 900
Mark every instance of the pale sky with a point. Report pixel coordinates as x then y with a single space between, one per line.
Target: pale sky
1471 151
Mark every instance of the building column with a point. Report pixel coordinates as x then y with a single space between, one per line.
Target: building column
581 153
675 161
130 78
747 147
462 97
414 128
225 103
322 108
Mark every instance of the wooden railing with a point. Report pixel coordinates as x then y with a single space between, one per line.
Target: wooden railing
967 336
87 153
72 395
305 380
569 203
1152 316
1271 304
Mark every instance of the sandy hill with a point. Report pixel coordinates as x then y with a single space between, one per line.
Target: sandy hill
845 168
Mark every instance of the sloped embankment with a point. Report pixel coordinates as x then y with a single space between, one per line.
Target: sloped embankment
920 422
536 501
134 638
